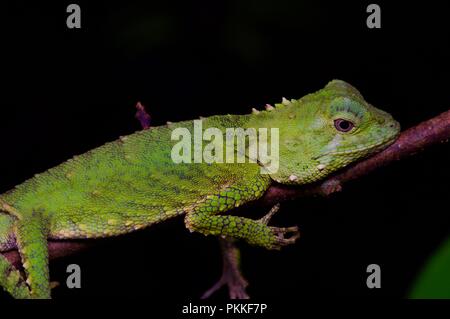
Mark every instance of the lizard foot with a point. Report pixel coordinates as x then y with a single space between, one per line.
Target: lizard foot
280 234
231 274
234 281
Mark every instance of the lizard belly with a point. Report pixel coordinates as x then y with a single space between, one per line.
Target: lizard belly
97 224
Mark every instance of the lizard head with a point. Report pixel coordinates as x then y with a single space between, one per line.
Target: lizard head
326 131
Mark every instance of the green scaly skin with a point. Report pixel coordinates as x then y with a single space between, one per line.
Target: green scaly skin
133 183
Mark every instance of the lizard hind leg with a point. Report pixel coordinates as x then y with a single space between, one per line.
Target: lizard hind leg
31 236
31 232
11 280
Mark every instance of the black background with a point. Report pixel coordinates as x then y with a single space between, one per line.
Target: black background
65 92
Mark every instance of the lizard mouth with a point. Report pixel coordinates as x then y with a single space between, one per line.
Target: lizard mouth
377 145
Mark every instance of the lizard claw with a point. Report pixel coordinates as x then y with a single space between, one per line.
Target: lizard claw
280 233
54 284
236 286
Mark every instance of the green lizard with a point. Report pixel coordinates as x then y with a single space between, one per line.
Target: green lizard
133 182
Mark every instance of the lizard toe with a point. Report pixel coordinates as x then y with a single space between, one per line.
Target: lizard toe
284 236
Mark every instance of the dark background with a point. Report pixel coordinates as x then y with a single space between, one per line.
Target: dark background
65 92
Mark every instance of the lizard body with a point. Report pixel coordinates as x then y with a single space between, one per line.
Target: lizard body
133 182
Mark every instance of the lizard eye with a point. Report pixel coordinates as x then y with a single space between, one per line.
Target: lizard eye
343 125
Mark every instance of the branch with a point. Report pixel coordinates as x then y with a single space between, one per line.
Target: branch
411 141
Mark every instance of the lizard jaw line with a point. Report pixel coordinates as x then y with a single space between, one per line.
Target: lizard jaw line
362 148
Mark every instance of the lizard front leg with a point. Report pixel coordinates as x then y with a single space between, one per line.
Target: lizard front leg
205 219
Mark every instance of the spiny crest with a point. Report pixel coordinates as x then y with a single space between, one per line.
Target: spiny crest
269 107
285 101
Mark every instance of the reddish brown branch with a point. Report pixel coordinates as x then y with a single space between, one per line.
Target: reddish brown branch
411 141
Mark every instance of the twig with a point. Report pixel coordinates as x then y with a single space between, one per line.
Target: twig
142 116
